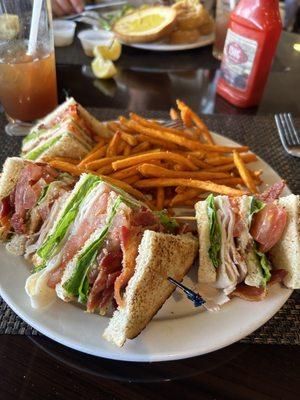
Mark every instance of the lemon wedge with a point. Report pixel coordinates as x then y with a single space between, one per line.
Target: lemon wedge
111 52
103 69
145 25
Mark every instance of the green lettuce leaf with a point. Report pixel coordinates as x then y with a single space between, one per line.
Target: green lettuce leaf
169 223
39 267
84 288
127 199
214 232
34 135
37 151
256 206
265 266
76 285
43 194
40 132
69 215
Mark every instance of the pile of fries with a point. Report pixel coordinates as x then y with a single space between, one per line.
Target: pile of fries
167 167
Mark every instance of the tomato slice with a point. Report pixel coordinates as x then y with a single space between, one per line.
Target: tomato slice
268 226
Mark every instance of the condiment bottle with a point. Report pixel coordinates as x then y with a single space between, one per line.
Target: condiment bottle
251 41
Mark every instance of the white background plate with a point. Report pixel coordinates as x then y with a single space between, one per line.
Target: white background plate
178 331
161 46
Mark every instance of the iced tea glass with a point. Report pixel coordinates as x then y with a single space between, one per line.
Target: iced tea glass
27 81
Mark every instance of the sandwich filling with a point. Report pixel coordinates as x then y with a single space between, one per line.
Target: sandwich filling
70 109
65 220
241 233
115 261
73 111
93 257
29 204
42 139
102 268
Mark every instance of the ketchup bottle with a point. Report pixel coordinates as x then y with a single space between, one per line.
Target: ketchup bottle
253 33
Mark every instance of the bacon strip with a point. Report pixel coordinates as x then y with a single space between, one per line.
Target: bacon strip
5 210
277 276
5 207
109 269
31 181
126 233
130 241
130 250
252 293
272 193
238 222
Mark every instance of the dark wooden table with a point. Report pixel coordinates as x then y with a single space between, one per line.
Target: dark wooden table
153 81
37 368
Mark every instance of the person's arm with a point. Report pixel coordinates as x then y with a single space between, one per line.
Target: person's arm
62 7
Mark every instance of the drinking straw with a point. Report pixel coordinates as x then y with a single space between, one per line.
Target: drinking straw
34 27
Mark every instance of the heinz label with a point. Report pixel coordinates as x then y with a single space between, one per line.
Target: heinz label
238 57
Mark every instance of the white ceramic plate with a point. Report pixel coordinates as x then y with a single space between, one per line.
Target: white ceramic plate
178 331
161 46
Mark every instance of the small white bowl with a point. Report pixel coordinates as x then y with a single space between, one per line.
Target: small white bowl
90 38
63 32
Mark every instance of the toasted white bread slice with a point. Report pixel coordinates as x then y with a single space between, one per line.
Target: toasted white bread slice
10 175
286 253
97 126
207 272
160 256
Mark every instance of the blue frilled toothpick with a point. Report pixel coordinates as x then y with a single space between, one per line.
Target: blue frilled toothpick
191 295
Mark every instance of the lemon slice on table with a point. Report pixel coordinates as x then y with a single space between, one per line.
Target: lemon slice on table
111 52
145 25
103 69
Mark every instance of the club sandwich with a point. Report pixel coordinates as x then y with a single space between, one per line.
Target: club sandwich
69 131
246 244
30 196
108 251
